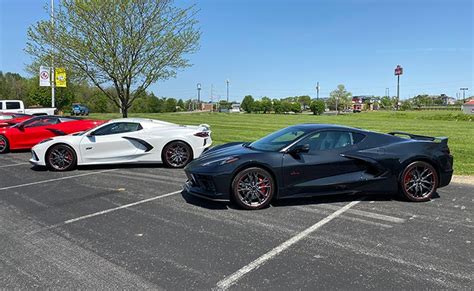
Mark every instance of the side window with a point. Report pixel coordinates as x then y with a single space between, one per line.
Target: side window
119 127
331 140
1 105
12 105
43 121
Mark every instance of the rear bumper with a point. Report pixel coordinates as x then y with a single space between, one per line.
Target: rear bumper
445 178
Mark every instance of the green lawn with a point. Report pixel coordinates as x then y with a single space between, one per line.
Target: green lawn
247 127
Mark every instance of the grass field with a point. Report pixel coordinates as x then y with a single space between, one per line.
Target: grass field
247 127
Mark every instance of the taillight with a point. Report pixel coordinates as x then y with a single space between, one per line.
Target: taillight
202 134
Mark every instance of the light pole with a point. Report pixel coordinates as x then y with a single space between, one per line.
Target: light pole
337 111
398 72
227 82
463 94
199 95
317 90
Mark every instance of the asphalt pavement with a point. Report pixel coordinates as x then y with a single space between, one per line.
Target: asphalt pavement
131 227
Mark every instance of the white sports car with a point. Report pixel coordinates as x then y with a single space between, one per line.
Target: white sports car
127 140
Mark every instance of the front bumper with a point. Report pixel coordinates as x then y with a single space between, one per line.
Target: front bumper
35 160
205 186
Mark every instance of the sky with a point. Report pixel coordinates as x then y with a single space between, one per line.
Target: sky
281 48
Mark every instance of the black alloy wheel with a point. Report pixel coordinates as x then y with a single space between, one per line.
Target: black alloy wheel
419 181
4 145
177 154
61 157
253 188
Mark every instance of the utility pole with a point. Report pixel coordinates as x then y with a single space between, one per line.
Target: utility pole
463 94
317 90
199 95
227 82
52 77
337 111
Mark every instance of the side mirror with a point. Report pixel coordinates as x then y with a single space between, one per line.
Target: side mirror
21 127
302 148
90 134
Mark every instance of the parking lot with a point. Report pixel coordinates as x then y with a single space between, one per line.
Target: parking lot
132 227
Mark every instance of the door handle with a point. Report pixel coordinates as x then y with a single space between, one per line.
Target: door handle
88 148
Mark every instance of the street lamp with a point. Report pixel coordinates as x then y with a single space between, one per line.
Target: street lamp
463 94
199 95
317 90
227 82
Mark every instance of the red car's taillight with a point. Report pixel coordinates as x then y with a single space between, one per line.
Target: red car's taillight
202 134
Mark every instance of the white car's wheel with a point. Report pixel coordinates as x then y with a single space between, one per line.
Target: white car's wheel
61 157
177 154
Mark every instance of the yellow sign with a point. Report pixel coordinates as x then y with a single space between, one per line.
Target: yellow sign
60 77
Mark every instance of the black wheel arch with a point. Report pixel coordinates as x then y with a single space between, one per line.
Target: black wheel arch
420 158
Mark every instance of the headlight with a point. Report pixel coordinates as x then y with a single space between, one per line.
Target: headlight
223 161
45 140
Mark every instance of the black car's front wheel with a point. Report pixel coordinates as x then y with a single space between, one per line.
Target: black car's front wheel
4 145
253 188
61 157
419 181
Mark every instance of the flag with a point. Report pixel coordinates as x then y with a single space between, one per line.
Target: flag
44 76
60 77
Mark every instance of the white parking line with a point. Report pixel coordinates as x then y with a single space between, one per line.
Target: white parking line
368 214
107 211
233 278
13 165
54 180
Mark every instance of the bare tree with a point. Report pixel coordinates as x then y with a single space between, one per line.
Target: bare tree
124 44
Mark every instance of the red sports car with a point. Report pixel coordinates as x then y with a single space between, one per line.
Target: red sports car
9 119
28 133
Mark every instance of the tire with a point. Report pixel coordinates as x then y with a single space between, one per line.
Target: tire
4 145
60 158
253 188
419 181
177 154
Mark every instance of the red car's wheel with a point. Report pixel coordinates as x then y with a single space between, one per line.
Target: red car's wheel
253 188
61 157
419 181
4 145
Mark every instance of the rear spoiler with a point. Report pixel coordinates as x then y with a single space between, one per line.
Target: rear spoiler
204 127
442 139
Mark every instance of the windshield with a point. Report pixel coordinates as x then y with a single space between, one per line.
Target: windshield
279 139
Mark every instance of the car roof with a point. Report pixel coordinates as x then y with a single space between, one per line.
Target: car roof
319 126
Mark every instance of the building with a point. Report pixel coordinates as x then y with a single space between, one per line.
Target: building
359 101
207 106
235 108
468 107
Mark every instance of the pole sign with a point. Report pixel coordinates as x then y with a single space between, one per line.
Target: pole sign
44 76
398 70
60 77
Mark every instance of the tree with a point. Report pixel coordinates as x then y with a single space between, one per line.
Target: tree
317 107
277 106
341 97
170 105
266 104
123 44
247 103
257 106
296 107
180 104
305 101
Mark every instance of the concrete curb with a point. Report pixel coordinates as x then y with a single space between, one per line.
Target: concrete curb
463 179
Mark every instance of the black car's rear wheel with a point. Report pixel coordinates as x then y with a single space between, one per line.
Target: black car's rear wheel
253 188
177 154
61 157
4 145
419 181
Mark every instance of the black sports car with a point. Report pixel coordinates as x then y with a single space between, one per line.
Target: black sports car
321 159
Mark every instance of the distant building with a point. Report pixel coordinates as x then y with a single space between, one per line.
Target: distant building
207 106
468 107
359 101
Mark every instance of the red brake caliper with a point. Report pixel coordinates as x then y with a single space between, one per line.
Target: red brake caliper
263 189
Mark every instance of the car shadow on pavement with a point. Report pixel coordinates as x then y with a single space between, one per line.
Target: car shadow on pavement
107 167
223 205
